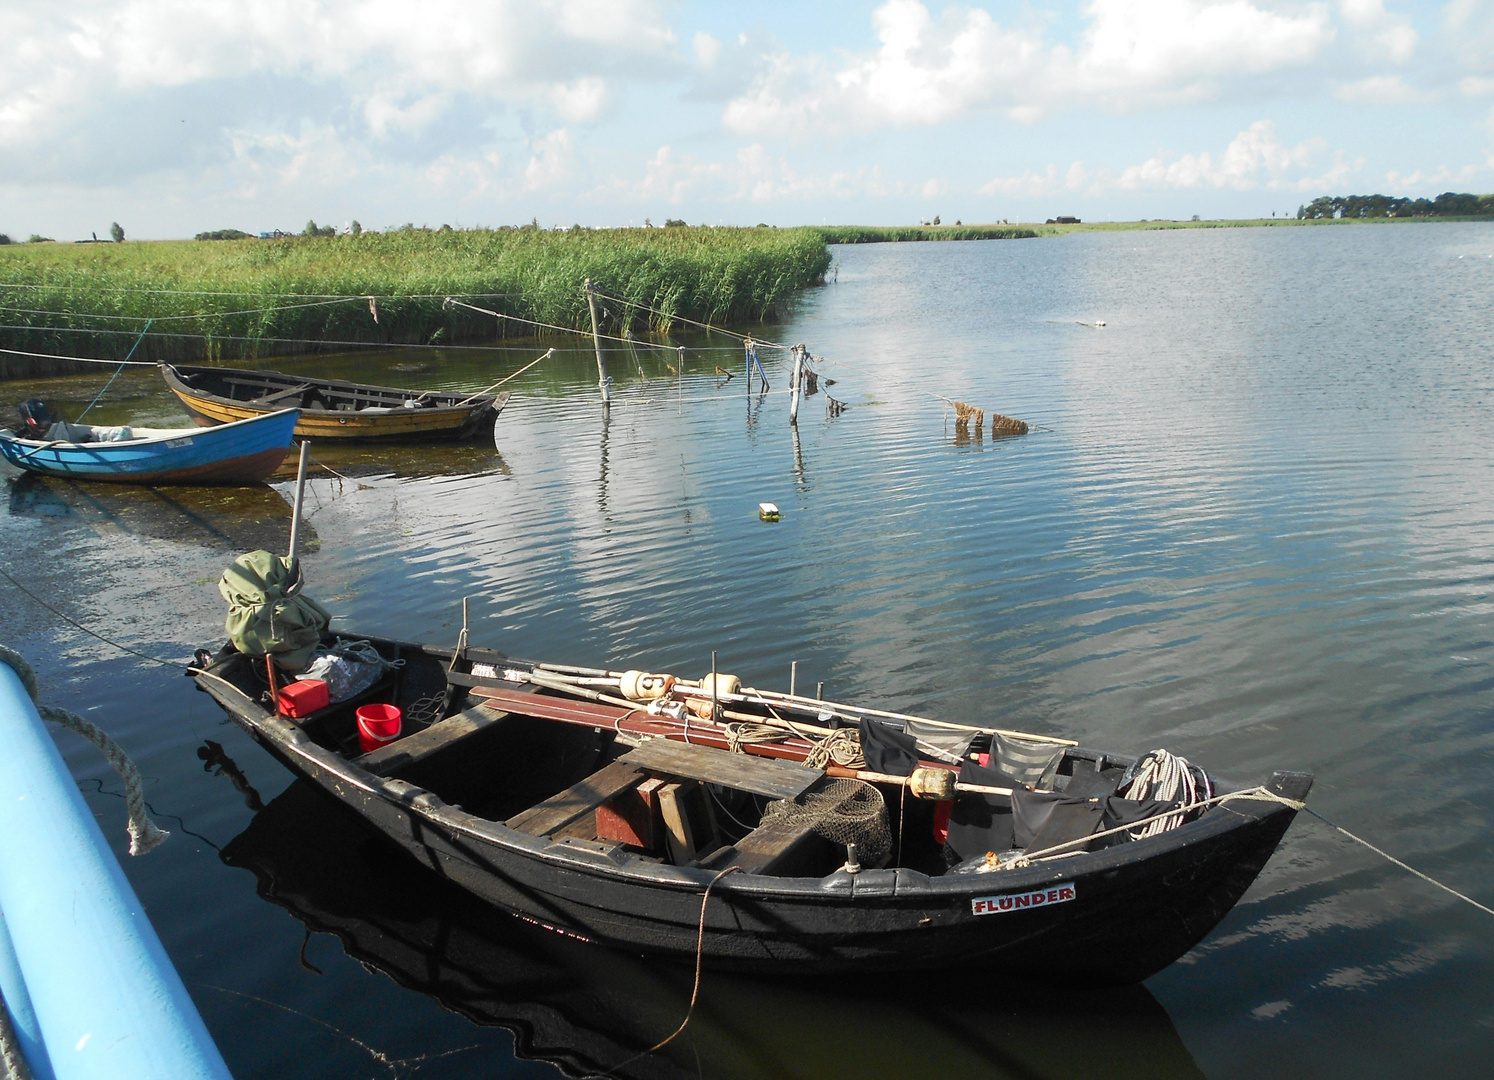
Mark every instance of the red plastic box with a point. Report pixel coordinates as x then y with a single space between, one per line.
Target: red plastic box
303 698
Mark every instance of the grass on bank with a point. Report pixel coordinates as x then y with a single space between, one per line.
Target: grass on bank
720 275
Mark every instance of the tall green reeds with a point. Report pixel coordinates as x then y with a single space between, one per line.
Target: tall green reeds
61 299
883 234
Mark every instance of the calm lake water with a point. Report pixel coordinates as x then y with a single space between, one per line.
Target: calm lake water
1254 525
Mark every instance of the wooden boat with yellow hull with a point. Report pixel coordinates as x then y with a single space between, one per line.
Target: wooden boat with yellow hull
332 408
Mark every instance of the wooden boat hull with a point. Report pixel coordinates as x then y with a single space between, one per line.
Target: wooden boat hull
1116 915
207 393
587 1009
246 452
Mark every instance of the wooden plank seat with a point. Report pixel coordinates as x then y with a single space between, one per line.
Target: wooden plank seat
276 395
761 776
402 753
558 811
782 847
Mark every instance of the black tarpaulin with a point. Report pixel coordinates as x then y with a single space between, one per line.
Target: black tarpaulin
980 823
887 751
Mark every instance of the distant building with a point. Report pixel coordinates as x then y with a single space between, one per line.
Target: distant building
1061 220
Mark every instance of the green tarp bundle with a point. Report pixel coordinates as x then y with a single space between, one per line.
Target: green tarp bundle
267 614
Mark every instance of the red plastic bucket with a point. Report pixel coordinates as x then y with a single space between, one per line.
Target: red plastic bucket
378 725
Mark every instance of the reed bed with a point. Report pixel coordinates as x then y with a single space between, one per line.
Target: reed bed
238 293
870 234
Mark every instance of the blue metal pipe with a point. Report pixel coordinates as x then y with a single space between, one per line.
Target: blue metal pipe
107 1000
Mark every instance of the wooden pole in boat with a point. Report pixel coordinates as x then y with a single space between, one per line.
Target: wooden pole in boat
596 340
295 538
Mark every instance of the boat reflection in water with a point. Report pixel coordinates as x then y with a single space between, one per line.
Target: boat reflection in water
586 1009
231 519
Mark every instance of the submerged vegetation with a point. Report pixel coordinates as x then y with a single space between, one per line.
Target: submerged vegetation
248 298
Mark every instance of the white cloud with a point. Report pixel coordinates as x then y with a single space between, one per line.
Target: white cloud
1029 185
1382 90
1475 86
1381 35
383 69
926 71
1253 159
1422 182
707 49
1253 152
551 161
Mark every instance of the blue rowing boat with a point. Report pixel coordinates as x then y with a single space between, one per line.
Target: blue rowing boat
246 452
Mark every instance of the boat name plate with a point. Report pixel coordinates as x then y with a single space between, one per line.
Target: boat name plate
998 905
177 443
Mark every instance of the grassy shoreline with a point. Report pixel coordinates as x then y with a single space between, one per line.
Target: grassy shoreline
239 296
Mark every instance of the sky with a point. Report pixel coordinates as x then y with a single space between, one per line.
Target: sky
173 117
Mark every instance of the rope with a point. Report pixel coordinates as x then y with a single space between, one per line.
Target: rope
11 1058
842 746
145 834
79 626
692 322
208 292
1164 776
505 379
118 372
1258 794
1392 859
695 990
78 359
257 339
562 329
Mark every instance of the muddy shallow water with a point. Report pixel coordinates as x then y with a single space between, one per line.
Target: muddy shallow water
1253 525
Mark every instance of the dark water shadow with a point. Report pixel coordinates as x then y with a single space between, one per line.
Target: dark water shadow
365 460
227 518
586 1009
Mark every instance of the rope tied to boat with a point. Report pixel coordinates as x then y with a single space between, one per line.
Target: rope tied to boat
695 990
841 747
145 834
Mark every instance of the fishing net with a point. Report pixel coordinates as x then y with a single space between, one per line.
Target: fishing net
843 811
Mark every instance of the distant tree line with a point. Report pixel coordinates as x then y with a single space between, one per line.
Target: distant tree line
1448 204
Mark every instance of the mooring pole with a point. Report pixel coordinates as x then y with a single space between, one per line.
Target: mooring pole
793 676
794 381
747 361
295 540
596 340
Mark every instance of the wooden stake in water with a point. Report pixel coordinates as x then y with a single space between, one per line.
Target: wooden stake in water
596 340
793 676
295 538
794 381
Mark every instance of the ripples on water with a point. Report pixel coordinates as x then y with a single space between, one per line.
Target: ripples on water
1253 525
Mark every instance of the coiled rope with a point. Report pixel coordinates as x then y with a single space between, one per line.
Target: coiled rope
1165 776
1259 794
145 834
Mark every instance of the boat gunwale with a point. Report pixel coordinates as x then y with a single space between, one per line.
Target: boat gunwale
892 884
171 434
457 402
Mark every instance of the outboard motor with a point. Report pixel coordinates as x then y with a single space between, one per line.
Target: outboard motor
36 418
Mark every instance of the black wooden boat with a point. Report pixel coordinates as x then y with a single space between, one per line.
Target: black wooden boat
591 1011
509 801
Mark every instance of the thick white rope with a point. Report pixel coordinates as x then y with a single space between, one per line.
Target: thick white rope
1162 776
145 834
1258 794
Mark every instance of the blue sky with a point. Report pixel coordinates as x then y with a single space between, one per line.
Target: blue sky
176 117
